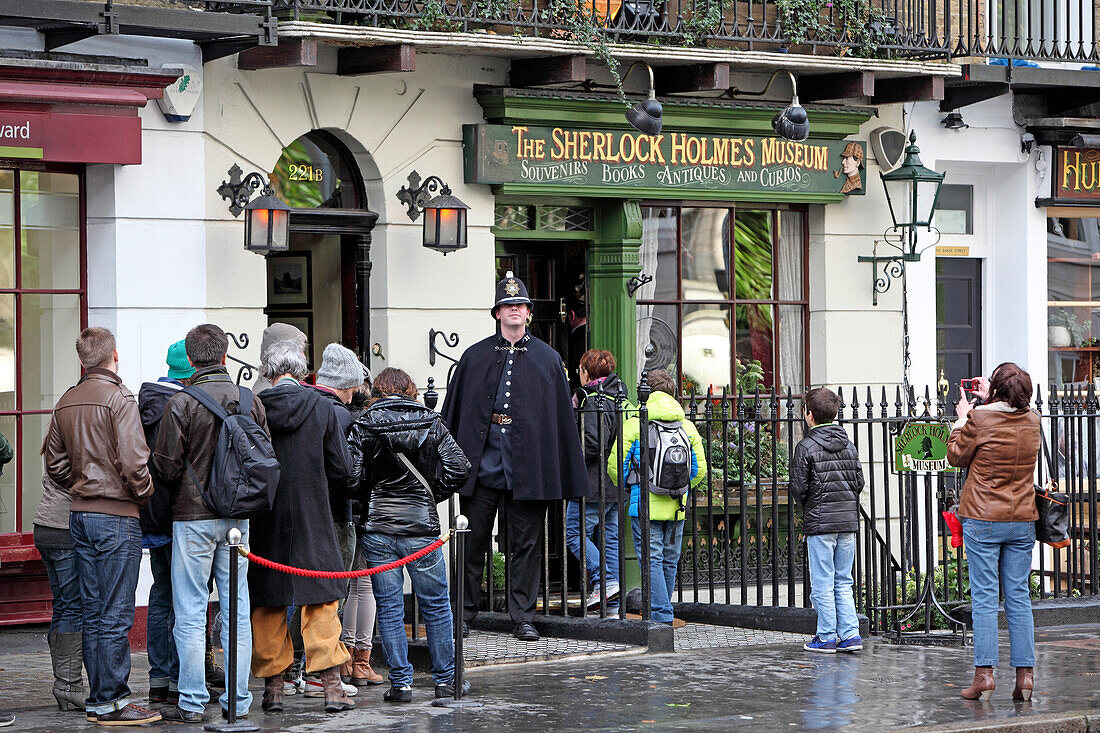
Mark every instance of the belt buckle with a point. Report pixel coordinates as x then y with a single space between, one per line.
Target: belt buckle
505 420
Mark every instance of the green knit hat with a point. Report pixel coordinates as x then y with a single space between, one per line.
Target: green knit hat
179 367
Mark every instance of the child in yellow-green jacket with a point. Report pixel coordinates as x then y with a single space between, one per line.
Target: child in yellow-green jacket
666 512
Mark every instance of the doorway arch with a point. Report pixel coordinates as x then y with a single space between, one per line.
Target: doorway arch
330 238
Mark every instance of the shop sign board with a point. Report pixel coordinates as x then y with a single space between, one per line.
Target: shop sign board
65 137
621 161
921 446
1077 174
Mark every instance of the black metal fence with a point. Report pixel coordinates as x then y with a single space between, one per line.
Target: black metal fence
743 541
1047 29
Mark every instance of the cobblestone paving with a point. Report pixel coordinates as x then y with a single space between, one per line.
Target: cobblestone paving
484 648
705 636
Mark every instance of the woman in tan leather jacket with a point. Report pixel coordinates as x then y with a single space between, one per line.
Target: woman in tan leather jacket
998 442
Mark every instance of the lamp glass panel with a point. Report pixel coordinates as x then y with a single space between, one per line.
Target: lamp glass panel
460 239
431 227
901 200
256 229
448 227
926 199
280 230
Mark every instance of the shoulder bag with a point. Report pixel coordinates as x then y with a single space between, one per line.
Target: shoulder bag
1052 526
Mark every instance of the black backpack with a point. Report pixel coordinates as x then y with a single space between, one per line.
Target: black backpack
669 458
245 472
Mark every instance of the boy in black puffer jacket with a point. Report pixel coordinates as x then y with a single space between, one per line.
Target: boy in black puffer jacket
826 478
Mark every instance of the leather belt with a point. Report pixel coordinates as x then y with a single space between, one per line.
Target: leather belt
499 419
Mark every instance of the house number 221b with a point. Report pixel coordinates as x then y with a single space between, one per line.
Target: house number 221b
305 173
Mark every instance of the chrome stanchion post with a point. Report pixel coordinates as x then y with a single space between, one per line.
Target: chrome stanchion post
461 528
233 539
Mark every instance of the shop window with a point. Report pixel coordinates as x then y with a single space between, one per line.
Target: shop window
43 306
727 292
1073 300
316 171
514 217
525 217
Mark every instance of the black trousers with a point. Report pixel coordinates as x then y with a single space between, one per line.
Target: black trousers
524 522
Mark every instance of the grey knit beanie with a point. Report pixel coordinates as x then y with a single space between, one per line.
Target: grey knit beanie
340 368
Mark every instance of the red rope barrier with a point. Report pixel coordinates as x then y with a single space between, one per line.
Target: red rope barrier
344 574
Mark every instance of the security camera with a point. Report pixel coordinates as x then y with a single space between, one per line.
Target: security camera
1027 142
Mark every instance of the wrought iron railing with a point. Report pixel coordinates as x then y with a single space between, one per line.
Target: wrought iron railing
1022 29
743 542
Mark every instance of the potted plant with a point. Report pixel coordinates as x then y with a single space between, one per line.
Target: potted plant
1064 329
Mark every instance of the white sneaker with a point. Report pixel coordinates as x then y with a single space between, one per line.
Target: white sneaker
350 690
314 687
297 687
612 591
593 598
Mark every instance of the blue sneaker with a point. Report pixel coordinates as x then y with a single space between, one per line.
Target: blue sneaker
817 644
850 645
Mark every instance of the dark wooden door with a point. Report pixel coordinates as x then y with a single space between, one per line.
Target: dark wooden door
958 321
542 268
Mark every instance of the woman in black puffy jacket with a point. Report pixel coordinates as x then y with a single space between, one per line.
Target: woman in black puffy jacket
408 462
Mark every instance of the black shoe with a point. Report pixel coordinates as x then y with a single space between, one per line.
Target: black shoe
465 629
215 675
158 694
176 714
398 694
526 632
129 715
449 690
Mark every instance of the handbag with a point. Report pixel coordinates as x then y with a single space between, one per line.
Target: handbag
1052 526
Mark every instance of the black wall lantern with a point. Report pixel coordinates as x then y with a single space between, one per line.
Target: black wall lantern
791 122
444 214
266 218
645 116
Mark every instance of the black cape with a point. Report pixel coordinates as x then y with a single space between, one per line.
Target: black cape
547 453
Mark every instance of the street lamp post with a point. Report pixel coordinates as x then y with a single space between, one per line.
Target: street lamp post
912 193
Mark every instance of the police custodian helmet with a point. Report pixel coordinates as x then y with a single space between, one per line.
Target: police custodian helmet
510 290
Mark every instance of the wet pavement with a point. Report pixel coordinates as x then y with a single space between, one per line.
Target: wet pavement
768 686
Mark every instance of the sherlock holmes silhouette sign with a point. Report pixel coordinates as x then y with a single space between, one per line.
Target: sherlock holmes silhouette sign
922 447
611 162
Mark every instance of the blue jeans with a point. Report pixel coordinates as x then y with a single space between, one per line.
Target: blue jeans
65 587
831 557
429 582
164 662
665 544
1006 546
591 527
108 558
198 546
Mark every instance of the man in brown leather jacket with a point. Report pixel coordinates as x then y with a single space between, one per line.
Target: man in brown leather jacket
95 449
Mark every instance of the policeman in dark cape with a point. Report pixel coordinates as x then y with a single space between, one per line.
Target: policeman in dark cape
508 406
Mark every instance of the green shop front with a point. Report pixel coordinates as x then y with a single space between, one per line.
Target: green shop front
689 248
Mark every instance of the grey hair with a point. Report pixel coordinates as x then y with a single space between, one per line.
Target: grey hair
284 357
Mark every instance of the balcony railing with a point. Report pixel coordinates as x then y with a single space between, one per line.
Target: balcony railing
1017 29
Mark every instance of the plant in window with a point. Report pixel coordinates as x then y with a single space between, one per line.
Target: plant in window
1064 329
733 453
749 375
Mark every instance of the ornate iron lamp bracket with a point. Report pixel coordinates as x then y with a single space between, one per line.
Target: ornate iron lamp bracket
635 283
892 268
416 195
239 190
247 371
433 351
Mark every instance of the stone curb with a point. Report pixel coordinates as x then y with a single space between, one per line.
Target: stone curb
764 618
1045 723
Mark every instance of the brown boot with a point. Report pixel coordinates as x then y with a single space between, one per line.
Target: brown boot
335 699
1025 682
362 674
982 686
346 668
273 694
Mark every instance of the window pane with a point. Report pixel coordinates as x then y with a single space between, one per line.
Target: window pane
7 480
792 366
1072 237
792 250
540 281
658 339
754 340
50 216
48 364
7 229
658 254
7 352
706 344
34 432
753 234
704 265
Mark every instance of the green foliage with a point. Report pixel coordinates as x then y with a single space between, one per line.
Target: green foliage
299 194
858 26
705 19
733 456
1063 317
493 9
498 573
433 17
749 375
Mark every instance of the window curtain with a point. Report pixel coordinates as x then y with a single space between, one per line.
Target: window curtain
651 224
791 327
